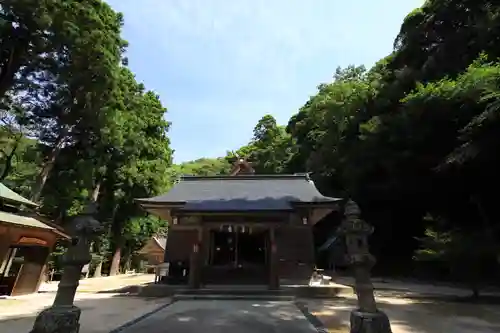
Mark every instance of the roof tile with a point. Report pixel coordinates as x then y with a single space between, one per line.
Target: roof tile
252 192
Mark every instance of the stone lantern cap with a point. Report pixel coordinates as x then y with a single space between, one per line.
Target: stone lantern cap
352 223
85 224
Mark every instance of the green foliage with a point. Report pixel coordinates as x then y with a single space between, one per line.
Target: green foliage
469 256
95 133
201 167
140 229
416 133
269 150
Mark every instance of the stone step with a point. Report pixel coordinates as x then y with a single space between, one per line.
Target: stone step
234 291
162 290
281 298
331 291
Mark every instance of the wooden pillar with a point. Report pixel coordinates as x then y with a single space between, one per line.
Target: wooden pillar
5 242
43 273
30 275
196 261
274 282
205 246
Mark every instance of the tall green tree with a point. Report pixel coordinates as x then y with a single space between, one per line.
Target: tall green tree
138 157
63 78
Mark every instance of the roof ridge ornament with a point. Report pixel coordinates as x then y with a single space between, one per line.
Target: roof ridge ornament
242 167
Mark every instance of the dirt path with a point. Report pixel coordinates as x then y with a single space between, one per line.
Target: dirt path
412 316
101 312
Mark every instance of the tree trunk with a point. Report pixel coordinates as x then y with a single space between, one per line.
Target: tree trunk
94 195
115 262
8 161
98 249
475 292
10 66
476 199
127 264
98 269
47 168
116 234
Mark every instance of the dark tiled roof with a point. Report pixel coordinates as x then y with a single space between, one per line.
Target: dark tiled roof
251 192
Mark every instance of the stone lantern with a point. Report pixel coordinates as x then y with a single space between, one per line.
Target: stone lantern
366 318
63 316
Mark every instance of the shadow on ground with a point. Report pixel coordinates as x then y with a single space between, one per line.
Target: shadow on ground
99 314
482 300
243 316
413 316
103 312
132 289
410 311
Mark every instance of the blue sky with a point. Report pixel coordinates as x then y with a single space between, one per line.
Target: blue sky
220 65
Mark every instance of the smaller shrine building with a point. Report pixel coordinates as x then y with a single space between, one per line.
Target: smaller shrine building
26 241
154 252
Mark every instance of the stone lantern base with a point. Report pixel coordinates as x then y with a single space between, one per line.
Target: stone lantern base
58 319
365 322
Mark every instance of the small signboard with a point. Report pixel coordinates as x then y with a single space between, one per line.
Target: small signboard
32 241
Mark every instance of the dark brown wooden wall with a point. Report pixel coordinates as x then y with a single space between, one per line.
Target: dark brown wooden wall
180 244
295 246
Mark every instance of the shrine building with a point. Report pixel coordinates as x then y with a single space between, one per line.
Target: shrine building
26 241
241 228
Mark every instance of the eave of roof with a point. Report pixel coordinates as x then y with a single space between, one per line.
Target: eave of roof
161 241
240 193
24 221
10 196
29 222
245 177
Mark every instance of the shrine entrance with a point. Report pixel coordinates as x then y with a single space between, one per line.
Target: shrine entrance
237 256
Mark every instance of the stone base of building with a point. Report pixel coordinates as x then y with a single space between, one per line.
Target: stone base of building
364 322
59 319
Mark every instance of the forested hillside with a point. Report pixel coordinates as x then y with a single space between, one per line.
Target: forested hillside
414 140
202 167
